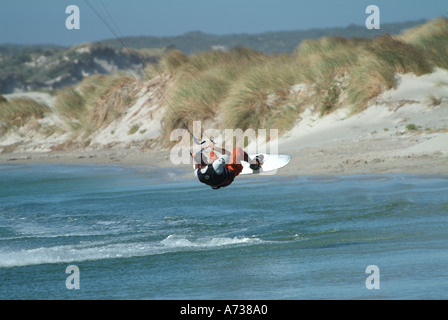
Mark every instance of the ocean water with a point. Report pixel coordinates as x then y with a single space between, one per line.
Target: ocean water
147 233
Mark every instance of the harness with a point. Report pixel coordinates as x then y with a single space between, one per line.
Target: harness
214 180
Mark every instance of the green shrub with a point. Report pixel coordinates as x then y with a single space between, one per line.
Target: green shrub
411 127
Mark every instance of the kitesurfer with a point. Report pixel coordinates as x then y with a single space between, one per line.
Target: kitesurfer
219 172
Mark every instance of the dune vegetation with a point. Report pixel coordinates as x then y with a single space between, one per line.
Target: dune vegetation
95 102
17 112
243 88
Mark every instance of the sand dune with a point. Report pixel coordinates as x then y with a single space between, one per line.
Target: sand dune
402 131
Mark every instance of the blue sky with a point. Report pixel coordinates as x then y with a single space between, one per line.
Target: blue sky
43 21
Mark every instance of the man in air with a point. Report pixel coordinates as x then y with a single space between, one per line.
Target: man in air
219 172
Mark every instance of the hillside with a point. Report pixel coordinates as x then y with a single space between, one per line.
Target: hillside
48 67
28 68
336 103
267 42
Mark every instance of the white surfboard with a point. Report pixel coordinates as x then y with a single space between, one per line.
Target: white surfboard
271 163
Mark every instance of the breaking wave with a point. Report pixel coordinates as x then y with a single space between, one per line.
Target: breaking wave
102 250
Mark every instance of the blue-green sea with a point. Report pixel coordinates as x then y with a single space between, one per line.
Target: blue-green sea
151 233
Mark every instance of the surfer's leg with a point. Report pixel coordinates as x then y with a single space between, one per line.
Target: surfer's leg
239 155
235 165
218 165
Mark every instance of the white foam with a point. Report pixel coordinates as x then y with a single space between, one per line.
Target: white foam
179 241
105 250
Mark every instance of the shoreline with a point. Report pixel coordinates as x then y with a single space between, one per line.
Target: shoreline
322 160
333 145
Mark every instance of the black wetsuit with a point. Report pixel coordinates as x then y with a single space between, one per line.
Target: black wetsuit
213 179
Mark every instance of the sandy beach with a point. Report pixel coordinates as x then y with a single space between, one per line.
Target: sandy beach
312 154
400 132
378 156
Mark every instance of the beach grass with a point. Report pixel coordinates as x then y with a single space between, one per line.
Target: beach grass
71 105
17 112
245 89
432 39
96 101
202 83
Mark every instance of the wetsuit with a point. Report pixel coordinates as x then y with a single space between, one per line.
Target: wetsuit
216 175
